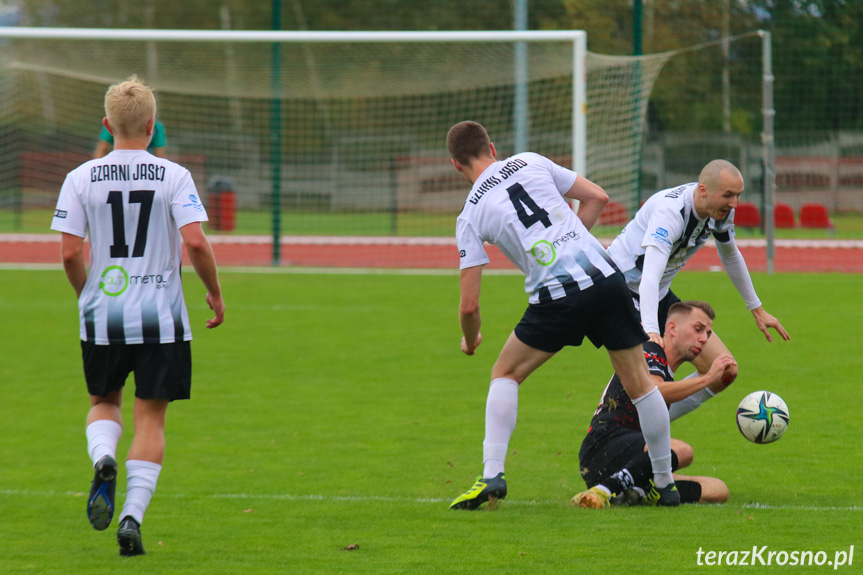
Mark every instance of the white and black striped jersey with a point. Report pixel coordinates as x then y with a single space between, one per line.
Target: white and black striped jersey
132 205
668 221
517 204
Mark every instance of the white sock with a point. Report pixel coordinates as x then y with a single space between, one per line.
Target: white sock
691 403
141 484
102 438
656 427
501 412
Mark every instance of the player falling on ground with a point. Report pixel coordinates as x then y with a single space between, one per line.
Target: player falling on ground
665 233
613 462
575 291
139 211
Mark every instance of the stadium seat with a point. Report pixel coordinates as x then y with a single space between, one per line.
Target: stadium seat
614 214
815 215
783 216
747 216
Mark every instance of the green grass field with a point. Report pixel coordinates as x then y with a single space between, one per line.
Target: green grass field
333 410
848 226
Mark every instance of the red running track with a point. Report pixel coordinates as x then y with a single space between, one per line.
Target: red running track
440 253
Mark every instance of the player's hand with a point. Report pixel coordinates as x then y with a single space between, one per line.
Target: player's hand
764 321
217 304
716 374
655 338
467 349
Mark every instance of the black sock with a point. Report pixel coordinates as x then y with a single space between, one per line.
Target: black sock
640 470
690 491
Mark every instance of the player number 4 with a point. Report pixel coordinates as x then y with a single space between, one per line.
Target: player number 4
522 202
120 249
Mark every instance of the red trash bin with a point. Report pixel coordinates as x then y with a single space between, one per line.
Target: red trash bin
222 201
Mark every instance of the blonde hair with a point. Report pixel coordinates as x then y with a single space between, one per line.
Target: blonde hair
129 106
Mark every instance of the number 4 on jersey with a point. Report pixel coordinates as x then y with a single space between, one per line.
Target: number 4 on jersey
522 202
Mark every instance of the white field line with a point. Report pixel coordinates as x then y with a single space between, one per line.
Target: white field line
423 241
296 270
373 498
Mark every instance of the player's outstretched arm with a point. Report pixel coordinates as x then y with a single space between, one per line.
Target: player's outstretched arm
674 391
470 281
591 200
654 265
204 262
764 321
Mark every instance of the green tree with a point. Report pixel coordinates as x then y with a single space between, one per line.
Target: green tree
818 63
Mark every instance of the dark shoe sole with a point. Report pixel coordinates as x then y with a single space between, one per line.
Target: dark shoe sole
100 504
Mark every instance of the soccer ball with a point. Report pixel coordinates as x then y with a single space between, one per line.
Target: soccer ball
762 417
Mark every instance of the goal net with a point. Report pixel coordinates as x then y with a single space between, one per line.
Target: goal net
329 146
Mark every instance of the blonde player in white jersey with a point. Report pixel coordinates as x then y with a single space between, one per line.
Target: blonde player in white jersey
574 288
665 233
139 210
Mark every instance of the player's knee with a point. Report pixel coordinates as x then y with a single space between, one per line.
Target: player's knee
713 490
514 375
114 398
685 455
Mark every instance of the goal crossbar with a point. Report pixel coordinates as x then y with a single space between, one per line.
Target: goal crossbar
287 35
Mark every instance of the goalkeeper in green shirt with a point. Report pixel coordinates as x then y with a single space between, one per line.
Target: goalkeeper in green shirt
156 147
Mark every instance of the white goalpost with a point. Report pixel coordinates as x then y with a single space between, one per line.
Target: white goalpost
319 133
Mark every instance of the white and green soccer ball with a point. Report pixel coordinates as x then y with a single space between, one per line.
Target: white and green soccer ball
762 417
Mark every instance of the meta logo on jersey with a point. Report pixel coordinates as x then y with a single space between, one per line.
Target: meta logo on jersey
543 252
570 235
114 281
194 203
661 235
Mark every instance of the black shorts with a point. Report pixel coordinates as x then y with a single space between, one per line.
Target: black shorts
601 455
662 311
162 370
604 454
604 313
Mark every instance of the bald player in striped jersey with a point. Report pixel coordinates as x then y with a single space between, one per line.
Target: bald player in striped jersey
139 211
575 291
665 233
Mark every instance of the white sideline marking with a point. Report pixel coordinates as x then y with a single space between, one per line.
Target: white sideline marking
297 270
373 498
425 241
800 507
32 267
